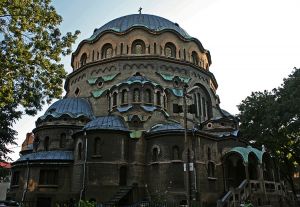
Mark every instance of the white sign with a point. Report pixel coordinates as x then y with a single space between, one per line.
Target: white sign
191 166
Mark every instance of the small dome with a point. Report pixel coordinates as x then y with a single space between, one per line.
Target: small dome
151 22
74 107
106 122
166 127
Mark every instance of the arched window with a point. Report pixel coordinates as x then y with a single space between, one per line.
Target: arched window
62 140
121 50
158 96
148 94
154 48
46 144
199 104
97 146
211 169
170 50
154 154
138 47
124 98
204 107
184 54
109 102
195 58
208 153
175 153
93 57
83 59
79 151
165 101
115 97
195 103
136 95
107 51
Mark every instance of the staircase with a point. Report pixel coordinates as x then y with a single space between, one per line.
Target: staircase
234 197
253 189
122 192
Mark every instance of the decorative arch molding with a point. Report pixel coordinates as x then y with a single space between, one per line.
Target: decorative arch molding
138 66
79 78
103 70
173 69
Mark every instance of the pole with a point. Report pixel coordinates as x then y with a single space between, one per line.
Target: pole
84 169
27 180
186 145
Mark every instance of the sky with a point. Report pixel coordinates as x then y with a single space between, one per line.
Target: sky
253 44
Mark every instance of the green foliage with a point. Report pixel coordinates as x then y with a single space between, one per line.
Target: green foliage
272 118
83 203
30 72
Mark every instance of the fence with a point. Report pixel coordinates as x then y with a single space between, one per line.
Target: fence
139 204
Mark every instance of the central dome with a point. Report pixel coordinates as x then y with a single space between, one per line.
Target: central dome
151 22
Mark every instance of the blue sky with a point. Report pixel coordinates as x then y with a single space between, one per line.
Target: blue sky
253 44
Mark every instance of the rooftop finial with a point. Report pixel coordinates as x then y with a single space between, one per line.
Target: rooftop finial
140 10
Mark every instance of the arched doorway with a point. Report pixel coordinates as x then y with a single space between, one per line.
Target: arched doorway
253 166
234 170
123 176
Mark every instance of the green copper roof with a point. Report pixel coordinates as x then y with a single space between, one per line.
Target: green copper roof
136 134
109 77
168 77
138 79
97 93
92 81
245 151
177 92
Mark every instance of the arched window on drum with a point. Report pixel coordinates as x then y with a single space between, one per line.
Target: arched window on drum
170 50
83 59
138 47
106 51
195 58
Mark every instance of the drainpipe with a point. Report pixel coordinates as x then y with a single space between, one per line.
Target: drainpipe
84 167
27 180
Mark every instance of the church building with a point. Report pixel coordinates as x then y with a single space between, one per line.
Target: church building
141 121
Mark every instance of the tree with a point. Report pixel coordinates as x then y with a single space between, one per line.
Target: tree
30 52
272 118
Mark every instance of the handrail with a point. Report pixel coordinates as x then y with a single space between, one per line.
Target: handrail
231 194
243 183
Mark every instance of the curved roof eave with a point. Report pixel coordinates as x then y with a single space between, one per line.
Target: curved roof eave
94 39
46 156
74 116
